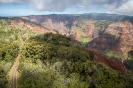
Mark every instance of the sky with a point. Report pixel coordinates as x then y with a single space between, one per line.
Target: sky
43 7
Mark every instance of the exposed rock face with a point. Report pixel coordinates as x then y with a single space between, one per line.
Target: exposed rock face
124 33
57 22
64 25
86 32
75 35
88 29
101 43
117 37
18 23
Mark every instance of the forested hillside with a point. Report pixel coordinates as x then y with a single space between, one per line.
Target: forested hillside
52 60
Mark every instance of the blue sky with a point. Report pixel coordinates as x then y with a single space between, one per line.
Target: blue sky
42 7
25 9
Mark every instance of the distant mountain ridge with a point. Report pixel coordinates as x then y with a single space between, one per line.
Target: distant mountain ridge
66 24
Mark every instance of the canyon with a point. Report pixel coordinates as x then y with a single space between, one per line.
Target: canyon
112 38
99 32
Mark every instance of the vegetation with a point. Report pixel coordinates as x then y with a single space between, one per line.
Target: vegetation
3 80
8 51
101 25
11 38
9 48
10 43
78 28
112 54
129 62
53 61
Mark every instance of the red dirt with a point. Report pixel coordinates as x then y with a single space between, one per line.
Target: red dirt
18 23
109 62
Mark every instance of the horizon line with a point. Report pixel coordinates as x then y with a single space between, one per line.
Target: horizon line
66 14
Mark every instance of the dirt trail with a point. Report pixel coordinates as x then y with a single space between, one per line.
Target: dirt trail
13 73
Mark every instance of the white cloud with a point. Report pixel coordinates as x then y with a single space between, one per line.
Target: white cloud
118 6
126 8
11 1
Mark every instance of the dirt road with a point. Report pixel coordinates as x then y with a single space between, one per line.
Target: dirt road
15 72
